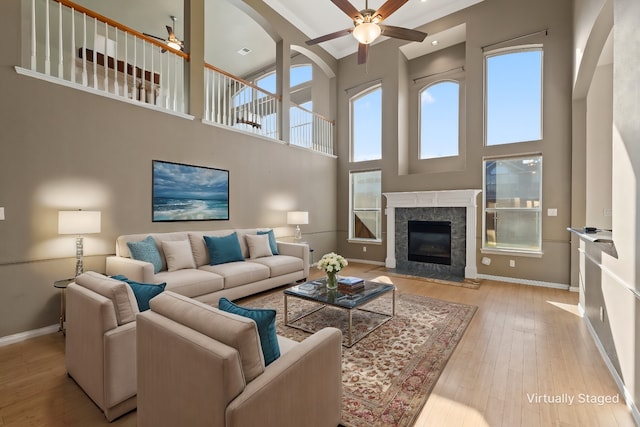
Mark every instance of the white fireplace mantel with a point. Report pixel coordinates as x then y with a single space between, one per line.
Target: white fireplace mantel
426 199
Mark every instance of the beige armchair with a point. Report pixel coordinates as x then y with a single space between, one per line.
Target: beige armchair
200 366
100 351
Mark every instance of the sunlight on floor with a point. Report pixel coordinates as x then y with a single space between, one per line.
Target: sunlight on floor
440 409
571 308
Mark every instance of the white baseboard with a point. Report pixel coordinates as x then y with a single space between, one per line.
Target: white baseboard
628 398
21 336
525 281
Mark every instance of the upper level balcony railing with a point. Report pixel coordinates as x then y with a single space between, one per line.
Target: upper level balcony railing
77 45
234 102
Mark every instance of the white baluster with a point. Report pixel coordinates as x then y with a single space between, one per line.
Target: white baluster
116 87
47 41
73 46
175 84
95 54
60 49
135 67
85 78
106 58
125 91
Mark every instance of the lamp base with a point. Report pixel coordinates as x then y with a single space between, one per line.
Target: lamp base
298 234
79 256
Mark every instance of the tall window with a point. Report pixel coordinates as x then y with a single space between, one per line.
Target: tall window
439 120
366 214
513 204
513 111
366 125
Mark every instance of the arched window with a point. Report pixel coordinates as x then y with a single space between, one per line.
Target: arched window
440 120
300 74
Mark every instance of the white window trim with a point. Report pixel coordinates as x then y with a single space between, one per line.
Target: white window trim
350 237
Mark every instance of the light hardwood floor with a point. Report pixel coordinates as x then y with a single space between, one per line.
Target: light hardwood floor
523 342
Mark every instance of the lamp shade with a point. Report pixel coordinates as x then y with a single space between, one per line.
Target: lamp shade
297 217
78 222
367 32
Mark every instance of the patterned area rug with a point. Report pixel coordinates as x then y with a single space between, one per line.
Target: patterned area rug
388 375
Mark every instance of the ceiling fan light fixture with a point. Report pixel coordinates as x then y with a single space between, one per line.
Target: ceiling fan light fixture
366 32
174 45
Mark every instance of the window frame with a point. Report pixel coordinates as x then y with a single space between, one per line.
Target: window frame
352 211
369 90
506 51
459 112
511 250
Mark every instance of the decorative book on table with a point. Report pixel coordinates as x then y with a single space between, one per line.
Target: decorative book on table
350 281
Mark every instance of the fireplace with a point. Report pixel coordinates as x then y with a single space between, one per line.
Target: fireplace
429 241
458 207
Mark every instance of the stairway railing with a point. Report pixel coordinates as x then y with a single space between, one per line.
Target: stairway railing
78 45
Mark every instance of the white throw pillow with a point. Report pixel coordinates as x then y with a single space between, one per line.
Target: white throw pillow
258 245
178 254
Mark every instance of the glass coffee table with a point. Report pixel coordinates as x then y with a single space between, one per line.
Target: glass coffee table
316 292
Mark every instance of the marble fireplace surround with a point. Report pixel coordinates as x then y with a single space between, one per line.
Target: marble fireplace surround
425 199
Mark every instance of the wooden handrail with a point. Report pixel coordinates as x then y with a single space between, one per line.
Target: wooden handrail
124 28
241 80
333 122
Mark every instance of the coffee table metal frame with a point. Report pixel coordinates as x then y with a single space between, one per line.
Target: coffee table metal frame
347 302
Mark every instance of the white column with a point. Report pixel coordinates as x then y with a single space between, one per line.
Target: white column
390 261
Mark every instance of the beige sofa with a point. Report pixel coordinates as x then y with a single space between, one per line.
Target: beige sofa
100 353
200 366
208 283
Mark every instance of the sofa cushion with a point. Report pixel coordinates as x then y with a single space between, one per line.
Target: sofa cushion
272 240
238 273
258 245
191 282
223 249
178 254
146 250
120 294
142 291
235 331
280 264
265 320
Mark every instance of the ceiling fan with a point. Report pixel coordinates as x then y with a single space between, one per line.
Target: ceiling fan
172 41
368 27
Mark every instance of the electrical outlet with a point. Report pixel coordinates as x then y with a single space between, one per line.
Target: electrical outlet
552 212
1 214
364 249
486 260
512 263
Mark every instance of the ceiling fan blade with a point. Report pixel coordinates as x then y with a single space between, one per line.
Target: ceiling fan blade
155 37
170 31
389 7
331 36
347 8
402 33
363 53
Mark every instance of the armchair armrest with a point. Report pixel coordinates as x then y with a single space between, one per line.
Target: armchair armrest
299 250
140 271
302 387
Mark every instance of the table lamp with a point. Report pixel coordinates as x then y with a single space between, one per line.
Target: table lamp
298 218
79 223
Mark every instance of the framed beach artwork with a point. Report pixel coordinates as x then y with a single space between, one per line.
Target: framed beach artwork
189 193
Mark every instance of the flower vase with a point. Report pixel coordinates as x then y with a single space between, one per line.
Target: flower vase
332 280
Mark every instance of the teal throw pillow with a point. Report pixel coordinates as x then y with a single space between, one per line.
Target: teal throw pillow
265 320
146 250
272 241
143 291
224 249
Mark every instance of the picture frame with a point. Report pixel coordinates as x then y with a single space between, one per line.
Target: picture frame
182 192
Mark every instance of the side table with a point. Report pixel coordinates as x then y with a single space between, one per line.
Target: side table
62 285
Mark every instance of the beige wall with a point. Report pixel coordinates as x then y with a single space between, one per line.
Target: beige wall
486 23
67 149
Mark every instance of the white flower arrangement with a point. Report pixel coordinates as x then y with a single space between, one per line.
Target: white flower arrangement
332 263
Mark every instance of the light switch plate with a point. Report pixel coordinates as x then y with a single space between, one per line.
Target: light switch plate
552 212
1 214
